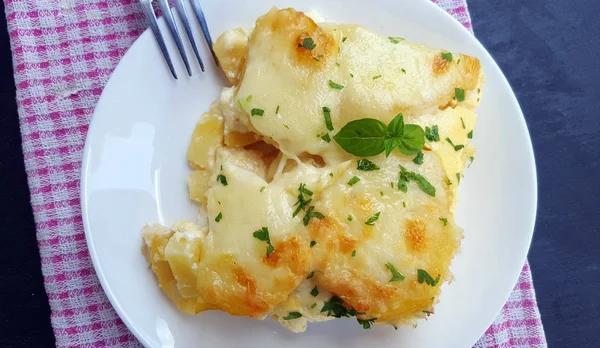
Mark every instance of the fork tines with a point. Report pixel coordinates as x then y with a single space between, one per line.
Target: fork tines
164 7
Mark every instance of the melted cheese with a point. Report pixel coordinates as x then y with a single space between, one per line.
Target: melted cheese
414 80
265 159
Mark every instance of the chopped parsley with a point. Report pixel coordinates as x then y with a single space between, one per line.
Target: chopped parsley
335 308
403 70
478 90
395 40
459 93
381 193
326 137
432 133
249 99
472 159
241 105
458 61
292 315
456 147
311 214
444 220
313 243
463 123
331 175
313 305
396 276
403 204
219 217
314 291
308 43
353 252
257 112
262 189
367 323
372 219
286 126
377 77
458 177
406 177
303 202
317 59
335 85
344 39
366 165
448 182
222 179
423 276
351 75
310 275
302 199
447 56
327 115
419 159
354 180
263 235
470 135
350 218
277 110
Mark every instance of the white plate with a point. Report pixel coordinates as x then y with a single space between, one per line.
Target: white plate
134 168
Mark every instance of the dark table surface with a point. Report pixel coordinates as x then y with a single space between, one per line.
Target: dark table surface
550 52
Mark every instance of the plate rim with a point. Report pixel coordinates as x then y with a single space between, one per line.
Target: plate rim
522 253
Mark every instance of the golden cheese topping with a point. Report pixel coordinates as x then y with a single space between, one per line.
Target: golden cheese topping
292 225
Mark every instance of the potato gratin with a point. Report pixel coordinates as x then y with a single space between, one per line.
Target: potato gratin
326 177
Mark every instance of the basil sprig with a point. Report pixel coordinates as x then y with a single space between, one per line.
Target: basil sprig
370 137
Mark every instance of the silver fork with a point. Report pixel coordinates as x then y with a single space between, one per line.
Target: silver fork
170 20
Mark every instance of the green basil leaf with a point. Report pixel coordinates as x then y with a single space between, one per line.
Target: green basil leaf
390 144
396 127
364 137
412 140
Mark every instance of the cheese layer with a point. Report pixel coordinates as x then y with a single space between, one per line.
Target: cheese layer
370 243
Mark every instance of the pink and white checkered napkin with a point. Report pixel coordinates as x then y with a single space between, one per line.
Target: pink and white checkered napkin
63 54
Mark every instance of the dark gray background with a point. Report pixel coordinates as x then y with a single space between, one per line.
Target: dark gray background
550 52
